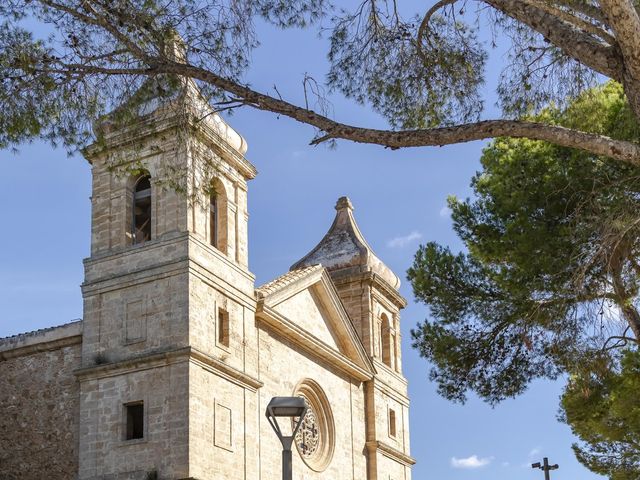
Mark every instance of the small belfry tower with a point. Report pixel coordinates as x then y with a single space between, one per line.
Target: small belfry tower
169 300
369 292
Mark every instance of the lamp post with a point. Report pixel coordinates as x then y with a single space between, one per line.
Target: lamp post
545 467
286 407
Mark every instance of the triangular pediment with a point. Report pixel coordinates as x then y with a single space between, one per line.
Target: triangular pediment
304 306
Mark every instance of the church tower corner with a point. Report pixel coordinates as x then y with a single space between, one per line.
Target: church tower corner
169 300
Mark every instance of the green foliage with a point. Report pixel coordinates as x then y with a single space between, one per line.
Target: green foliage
603 411
64 64
549 284
549 231
374 58
48 109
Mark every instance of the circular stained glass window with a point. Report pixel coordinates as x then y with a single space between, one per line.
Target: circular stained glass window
315 437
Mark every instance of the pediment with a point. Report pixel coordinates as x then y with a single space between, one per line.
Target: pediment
304 306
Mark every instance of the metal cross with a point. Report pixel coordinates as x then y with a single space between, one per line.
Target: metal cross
545 467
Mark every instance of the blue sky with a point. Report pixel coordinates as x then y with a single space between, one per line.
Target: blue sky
399 199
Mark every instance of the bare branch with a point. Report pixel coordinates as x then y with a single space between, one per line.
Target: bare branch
99 21
621 341
424 25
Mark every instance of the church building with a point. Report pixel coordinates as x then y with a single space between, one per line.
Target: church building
168 374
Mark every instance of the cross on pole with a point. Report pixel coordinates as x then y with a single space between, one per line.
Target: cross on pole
545 467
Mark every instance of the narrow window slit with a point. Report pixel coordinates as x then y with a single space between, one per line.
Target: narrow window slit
223 327
135 421
392 422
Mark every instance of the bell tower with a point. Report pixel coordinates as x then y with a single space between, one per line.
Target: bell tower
369 292
168 296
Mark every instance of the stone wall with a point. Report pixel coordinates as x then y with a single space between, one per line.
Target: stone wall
39 397
283 366
222 426
160 384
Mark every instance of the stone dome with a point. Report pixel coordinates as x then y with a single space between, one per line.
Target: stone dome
344 247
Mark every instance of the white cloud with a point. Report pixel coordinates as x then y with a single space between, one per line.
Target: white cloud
470 462
505 464
534 451
445 212
400 242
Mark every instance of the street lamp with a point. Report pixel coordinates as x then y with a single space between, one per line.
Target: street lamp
289 407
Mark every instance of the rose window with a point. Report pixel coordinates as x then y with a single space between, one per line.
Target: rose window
316 436
308 436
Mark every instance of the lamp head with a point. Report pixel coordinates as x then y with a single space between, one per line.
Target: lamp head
535 465
286 407
290 407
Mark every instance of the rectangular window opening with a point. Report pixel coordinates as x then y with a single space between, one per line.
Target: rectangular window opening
223 327
135 421
392 422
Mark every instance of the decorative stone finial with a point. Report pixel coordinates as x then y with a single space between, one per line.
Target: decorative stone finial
344 247
344 202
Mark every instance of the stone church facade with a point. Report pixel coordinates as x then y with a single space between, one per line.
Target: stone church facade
178 353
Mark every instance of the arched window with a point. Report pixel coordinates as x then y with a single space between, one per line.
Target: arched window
386 341
141 226
218 216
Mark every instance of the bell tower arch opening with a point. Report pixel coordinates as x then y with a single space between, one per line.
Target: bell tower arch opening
141 210
218 216
386 340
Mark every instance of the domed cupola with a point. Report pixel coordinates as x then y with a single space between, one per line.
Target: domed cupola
343 250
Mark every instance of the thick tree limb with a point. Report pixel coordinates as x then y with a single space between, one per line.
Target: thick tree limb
625 23
596 144
576 44
549 21
575 21
594 13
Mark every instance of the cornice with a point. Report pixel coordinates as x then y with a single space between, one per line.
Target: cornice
161 359
351 274
154 125
46 346
390 452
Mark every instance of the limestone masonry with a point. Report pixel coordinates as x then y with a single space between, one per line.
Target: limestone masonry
178 353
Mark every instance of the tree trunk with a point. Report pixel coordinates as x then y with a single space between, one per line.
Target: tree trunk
625 23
